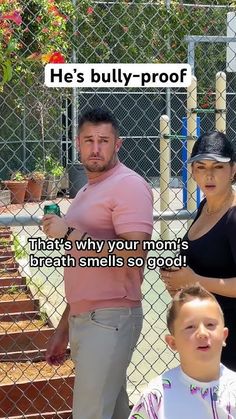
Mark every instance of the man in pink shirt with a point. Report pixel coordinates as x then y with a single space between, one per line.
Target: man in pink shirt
110 216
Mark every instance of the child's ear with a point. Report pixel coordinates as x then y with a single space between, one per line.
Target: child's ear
226 332
170 340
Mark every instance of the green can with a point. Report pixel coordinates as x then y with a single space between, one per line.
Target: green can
52 209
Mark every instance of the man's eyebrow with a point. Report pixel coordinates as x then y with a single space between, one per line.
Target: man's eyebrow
100 136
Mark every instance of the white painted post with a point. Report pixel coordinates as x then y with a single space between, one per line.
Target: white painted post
191 136
220 104
164 172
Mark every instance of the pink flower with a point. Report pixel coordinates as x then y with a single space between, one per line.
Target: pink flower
14 16
90 10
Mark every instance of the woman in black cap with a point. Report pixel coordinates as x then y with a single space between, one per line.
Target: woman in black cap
211 253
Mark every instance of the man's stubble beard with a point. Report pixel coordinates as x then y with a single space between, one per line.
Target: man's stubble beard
101 168
95 168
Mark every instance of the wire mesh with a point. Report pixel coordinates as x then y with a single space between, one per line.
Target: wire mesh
38 131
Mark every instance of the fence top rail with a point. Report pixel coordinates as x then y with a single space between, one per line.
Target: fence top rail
30 220
158 3
213 38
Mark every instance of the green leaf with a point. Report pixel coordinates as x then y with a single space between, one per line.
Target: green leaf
11 46
6 72
8 69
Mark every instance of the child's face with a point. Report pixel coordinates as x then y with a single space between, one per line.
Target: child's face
199 332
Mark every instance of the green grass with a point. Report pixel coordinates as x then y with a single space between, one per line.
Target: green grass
20 250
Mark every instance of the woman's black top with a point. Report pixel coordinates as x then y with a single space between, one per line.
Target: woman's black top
214 255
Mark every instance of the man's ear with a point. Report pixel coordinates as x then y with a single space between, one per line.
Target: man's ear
118 145
170 340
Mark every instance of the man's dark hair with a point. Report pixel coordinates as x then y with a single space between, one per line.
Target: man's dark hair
99 116
186 294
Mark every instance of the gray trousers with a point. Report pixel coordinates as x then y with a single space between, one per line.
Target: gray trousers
102 343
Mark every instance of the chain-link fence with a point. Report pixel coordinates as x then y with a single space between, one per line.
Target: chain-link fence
38 132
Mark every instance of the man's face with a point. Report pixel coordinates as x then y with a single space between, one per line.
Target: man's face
98 147
199 332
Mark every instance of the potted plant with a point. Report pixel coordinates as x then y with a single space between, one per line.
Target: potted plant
60 177
53 175
17 185
35 186
5 195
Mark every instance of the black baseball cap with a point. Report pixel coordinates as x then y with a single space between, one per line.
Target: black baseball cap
215 146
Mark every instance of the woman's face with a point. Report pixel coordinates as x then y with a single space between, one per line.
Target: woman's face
213 177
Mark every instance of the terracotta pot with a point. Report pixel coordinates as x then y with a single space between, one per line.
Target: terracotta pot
17 189
34 190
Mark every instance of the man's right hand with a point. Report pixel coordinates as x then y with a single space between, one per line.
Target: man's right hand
56 347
